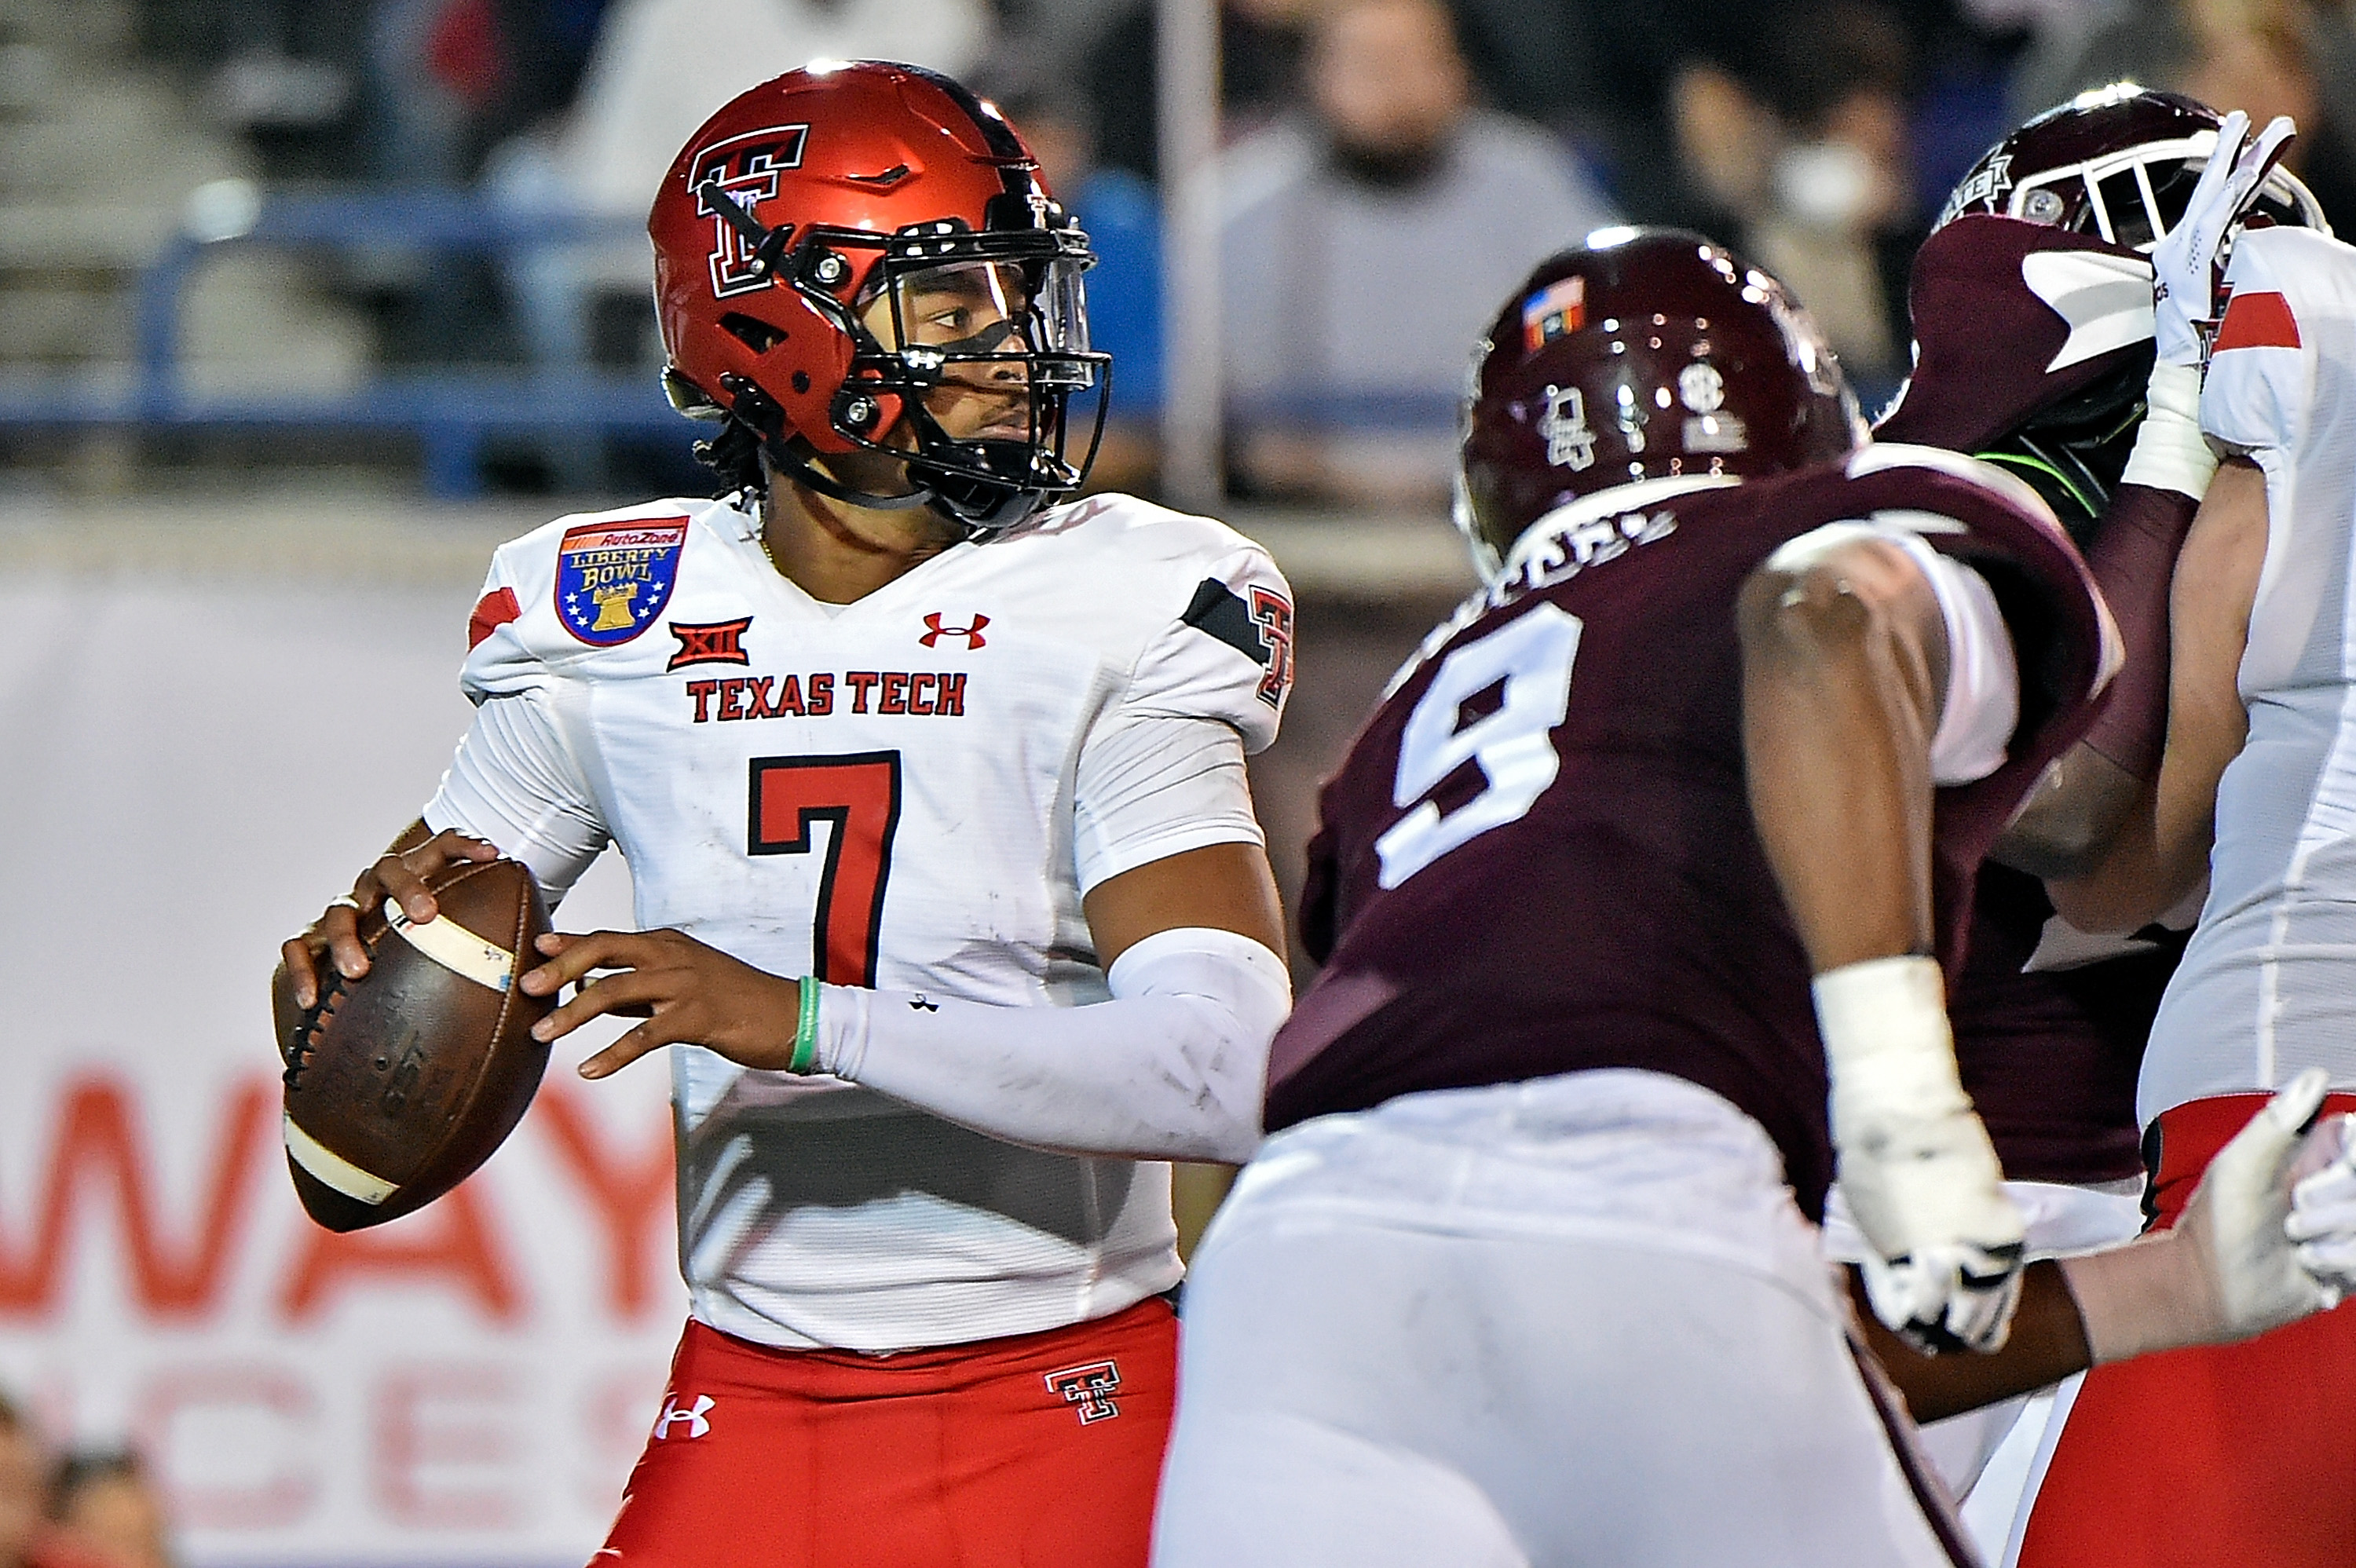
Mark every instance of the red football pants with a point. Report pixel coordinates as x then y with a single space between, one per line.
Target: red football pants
2222 1453
1042 1450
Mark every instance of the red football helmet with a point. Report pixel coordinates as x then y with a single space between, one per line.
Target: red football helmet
838 250
2119 162
1644 353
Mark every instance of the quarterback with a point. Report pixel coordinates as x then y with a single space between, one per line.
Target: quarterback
956 912
1659 849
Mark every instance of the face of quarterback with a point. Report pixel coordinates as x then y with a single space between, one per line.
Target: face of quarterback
975 308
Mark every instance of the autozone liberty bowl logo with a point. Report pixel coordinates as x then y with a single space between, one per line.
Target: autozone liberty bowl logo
746 168
614 579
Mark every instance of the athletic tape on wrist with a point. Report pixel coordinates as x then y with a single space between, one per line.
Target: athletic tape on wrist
2169 452
805 1057
1884 1025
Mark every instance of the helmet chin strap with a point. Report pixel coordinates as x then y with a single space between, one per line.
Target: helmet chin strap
979 505
988 518
803 472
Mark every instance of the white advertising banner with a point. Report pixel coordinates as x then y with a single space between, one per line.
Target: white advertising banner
197 747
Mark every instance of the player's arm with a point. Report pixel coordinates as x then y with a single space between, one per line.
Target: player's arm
1844 669
1847 662
2161 851
2067 824
2167 827
2237 1264
1171 1067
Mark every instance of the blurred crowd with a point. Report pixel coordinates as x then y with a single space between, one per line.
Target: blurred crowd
90 1510
1391 167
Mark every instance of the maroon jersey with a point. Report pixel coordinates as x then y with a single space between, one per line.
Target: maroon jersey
2050 1056
1539 857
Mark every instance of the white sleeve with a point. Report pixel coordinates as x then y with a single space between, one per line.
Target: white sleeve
1162 770
1172 1068
515 783
2264 372
1982 701
1151 787
1983 704
1227 653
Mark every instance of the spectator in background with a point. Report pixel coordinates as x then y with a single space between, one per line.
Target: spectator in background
1259 50
102 1503
26 1537
1363 245
1792 134
2263 56
447 80
658 69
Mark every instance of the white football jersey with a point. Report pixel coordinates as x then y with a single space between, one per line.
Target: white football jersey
2268 984
892 793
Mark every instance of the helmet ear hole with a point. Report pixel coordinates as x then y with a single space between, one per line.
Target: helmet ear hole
753 333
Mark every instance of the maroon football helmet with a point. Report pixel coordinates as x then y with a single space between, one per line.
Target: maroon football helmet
837 244
2117 162
2031 305
1644 353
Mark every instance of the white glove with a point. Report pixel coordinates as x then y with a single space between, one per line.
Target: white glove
2228 1270
1920 1176
2188 262
2323 1208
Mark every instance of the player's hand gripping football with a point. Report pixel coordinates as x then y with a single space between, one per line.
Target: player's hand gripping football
2188 262
697 995
1946 1245
399 873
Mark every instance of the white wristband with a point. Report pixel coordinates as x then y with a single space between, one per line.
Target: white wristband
1884 1023
2171 452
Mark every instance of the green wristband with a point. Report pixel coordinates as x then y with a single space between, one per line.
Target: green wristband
805 1057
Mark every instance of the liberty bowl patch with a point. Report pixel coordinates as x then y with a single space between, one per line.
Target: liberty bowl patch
613 579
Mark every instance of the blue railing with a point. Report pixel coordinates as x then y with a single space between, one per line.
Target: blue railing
451 410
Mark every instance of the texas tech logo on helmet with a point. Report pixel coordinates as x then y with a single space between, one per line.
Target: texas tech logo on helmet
746 168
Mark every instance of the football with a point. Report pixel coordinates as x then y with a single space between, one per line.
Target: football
400 1084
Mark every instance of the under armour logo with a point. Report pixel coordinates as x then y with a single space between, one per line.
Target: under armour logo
693 1414
1090 1388
921 1003
934 631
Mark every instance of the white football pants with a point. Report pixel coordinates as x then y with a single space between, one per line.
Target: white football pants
1577 1320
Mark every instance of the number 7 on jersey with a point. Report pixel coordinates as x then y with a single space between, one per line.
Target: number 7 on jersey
859 795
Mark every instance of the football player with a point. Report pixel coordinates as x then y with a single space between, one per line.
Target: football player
2251 1463
933 796
2033 324
1527 1271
